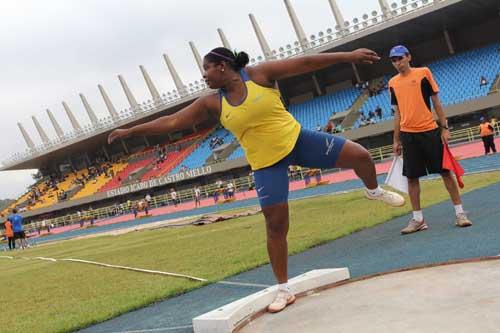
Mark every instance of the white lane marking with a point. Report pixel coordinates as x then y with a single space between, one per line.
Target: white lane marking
135 269
234 283
46 259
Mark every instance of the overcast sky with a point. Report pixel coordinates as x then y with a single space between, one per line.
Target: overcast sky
53 50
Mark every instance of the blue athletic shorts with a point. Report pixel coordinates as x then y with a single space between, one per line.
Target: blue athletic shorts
312 150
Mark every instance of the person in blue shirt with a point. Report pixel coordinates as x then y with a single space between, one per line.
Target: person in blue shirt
17 227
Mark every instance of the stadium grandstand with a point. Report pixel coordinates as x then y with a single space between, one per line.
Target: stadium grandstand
457 39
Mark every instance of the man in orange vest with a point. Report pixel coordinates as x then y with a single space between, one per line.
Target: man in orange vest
487 132
10 235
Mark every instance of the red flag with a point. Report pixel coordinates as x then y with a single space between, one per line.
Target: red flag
450 163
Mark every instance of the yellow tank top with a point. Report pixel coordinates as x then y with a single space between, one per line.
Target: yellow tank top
266 131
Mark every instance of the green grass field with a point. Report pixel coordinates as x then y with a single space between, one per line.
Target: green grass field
41 296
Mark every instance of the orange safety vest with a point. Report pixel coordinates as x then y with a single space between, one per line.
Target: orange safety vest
8 229
485 129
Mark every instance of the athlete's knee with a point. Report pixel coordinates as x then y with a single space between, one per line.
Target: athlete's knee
357 152
276 230
276 222
365 156
361 155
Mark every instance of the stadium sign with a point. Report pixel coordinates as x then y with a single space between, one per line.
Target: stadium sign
160 181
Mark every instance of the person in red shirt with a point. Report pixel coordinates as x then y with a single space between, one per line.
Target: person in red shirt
415 131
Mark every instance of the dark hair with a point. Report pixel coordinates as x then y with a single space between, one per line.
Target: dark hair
14 211
236 60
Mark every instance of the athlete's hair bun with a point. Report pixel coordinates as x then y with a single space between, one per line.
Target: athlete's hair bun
241 59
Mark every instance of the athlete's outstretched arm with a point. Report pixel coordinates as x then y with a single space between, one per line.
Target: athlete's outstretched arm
195 113
280 69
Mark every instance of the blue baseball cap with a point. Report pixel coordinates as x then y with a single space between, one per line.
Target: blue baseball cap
398 51
482 118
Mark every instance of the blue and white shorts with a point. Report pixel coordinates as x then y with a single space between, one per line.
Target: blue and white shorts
312 150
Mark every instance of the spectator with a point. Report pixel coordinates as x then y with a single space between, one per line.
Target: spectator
487 134
145 207
291 172
216 195
230 190
362 120
378 112
80 218
197 196
9 233
135 209
483 81
251 181
339 128
173 196
17 227
330 127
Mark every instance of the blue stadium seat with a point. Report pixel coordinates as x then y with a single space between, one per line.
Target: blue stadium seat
199 156
317 111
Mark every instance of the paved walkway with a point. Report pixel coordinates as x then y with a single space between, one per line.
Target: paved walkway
370 251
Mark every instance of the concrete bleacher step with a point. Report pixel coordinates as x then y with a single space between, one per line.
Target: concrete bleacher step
222 154
74 190
495 87
353 112
231 316
138 174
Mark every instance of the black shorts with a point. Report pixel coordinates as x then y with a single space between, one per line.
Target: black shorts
19 235
422 153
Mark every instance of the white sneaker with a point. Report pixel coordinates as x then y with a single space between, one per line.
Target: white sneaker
282 300
462 221
391 198
414 226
